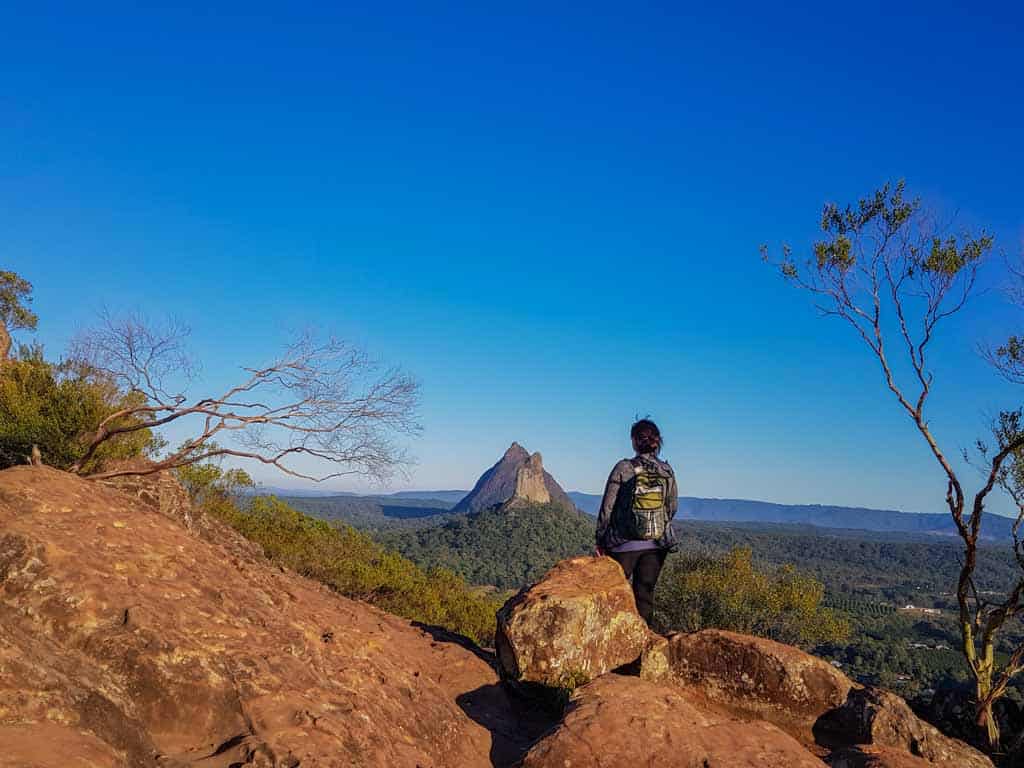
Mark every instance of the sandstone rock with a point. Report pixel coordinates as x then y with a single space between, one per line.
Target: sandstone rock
162 493
50 744
883 719
619 721
751 676
876 757
127 640
576 623
805 696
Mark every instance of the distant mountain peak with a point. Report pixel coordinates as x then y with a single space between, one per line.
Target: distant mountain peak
516 452
518 477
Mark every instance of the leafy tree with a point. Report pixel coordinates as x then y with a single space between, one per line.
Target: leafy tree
15 296
210 481
884 266
53 406
699 592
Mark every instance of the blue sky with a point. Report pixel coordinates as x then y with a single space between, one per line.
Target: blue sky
551 217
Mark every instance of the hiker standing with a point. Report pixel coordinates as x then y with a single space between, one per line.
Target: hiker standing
634 524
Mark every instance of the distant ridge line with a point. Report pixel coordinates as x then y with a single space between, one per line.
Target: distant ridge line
994 527
724 510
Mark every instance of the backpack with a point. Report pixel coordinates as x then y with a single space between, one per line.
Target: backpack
649 508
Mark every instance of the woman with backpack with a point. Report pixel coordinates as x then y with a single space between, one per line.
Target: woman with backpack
634 524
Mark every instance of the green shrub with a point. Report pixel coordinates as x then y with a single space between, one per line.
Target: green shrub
56 407
699 592
346 560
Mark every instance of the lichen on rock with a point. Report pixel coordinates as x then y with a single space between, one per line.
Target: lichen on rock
579 620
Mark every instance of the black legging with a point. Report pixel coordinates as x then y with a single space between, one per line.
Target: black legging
643 567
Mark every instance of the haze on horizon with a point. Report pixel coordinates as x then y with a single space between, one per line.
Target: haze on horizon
517 207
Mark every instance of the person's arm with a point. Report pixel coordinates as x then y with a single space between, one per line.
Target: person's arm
604 514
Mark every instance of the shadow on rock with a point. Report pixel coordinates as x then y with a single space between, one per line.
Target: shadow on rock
515 718
883 720
515 722
442 635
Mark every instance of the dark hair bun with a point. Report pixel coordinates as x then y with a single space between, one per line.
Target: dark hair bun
647 436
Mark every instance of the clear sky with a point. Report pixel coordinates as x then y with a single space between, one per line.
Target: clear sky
550 216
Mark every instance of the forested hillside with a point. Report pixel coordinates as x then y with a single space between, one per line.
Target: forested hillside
859 565
502 546
890 568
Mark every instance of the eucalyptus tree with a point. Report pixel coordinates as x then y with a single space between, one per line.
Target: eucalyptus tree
895 275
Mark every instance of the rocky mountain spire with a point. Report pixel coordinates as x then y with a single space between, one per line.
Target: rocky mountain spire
530 485
517 476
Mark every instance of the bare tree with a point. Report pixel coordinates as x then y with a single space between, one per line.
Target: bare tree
324 405
886 268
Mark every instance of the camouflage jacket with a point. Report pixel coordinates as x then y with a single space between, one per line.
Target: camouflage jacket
617 504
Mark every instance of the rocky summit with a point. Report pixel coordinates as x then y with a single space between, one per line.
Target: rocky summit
127 639
517 478
709 699
136 631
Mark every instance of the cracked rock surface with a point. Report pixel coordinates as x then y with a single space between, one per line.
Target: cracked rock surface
126 639
624 721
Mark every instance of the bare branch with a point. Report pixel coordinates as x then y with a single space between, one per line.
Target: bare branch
137 355
319 411
1008 356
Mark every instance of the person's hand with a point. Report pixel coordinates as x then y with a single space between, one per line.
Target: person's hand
599 552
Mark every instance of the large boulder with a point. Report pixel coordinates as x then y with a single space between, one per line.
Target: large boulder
752 676
883 719
620 721
575 624
126 639
805 696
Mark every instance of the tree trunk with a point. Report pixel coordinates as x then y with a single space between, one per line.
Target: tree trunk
986 718
5 343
